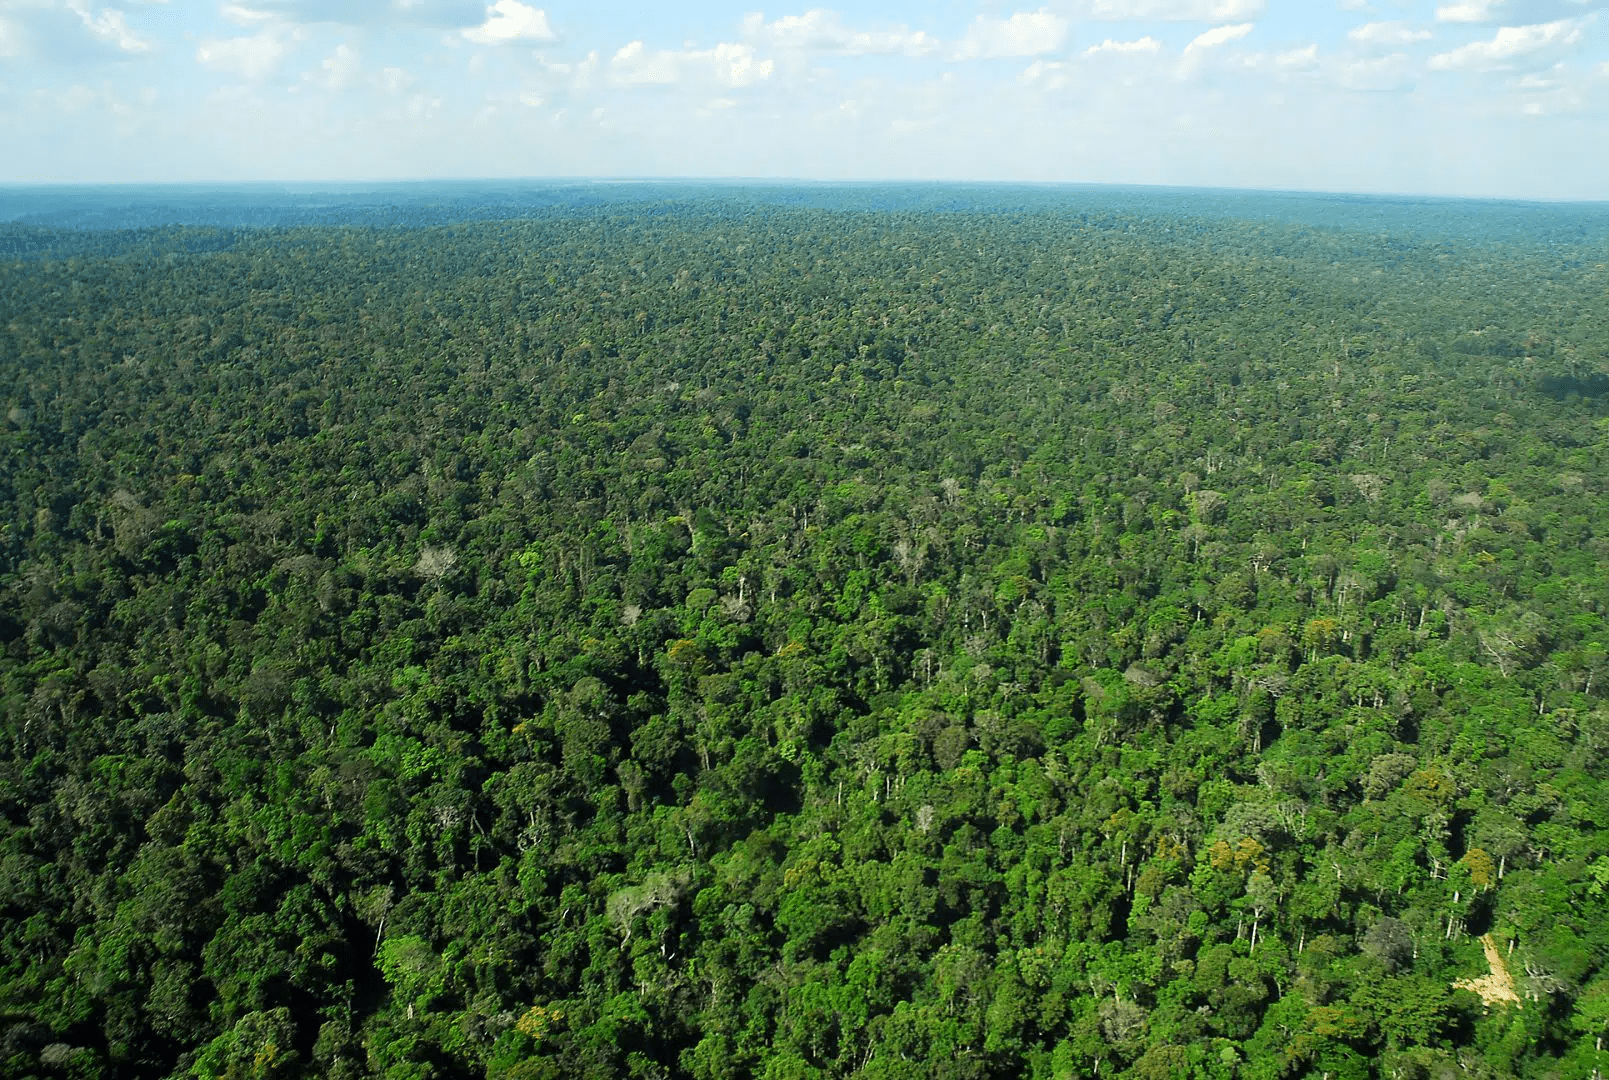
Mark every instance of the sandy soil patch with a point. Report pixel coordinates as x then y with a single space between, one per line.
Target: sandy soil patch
1496 988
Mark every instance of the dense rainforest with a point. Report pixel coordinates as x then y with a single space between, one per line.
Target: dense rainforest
678 639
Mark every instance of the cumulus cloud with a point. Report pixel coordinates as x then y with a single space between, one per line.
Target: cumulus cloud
241 15
634 65
422 107
1176 10
109 26
1026 33
341 67
11 43
510 20
246 57
1379 74
395 80
1218 35
734 65
1506 11
1146 44
1290 62
729 63
1302 59
1468 11
820 30
1509 45
1386 35
1049 74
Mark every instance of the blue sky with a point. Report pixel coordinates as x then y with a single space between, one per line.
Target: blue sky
1452 97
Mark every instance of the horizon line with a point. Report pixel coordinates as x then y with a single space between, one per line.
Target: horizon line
30 186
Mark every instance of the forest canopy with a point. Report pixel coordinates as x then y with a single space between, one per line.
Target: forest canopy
693 637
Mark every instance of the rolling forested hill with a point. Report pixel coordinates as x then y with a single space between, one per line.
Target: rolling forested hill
687 639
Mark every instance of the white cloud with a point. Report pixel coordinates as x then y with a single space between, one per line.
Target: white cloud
11 41
1176 10
1026 33
1219 35
65 32
1506 11
510 20
1510 43
109 26
341 67
1468 11
248 57
585 71
1550 93
394 80
1302 59
1146 44
1384 73
1387 35
1289 62
245 16
729 63
77 98
1050 74
820 30
735 65
636 66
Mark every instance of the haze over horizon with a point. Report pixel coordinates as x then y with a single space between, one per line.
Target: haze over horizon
1487 98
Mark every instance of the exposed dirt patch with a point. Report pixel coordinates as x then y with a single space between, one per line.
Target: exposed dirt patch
1496 988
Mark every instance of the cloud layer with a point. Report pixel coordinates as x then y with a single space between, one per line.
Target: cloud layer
1237 92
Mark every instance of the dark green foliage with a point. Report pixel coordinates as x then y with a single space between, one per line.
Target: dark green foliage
626 643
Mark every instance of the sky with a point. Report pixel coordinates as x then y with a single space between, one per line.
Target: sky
1505 98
